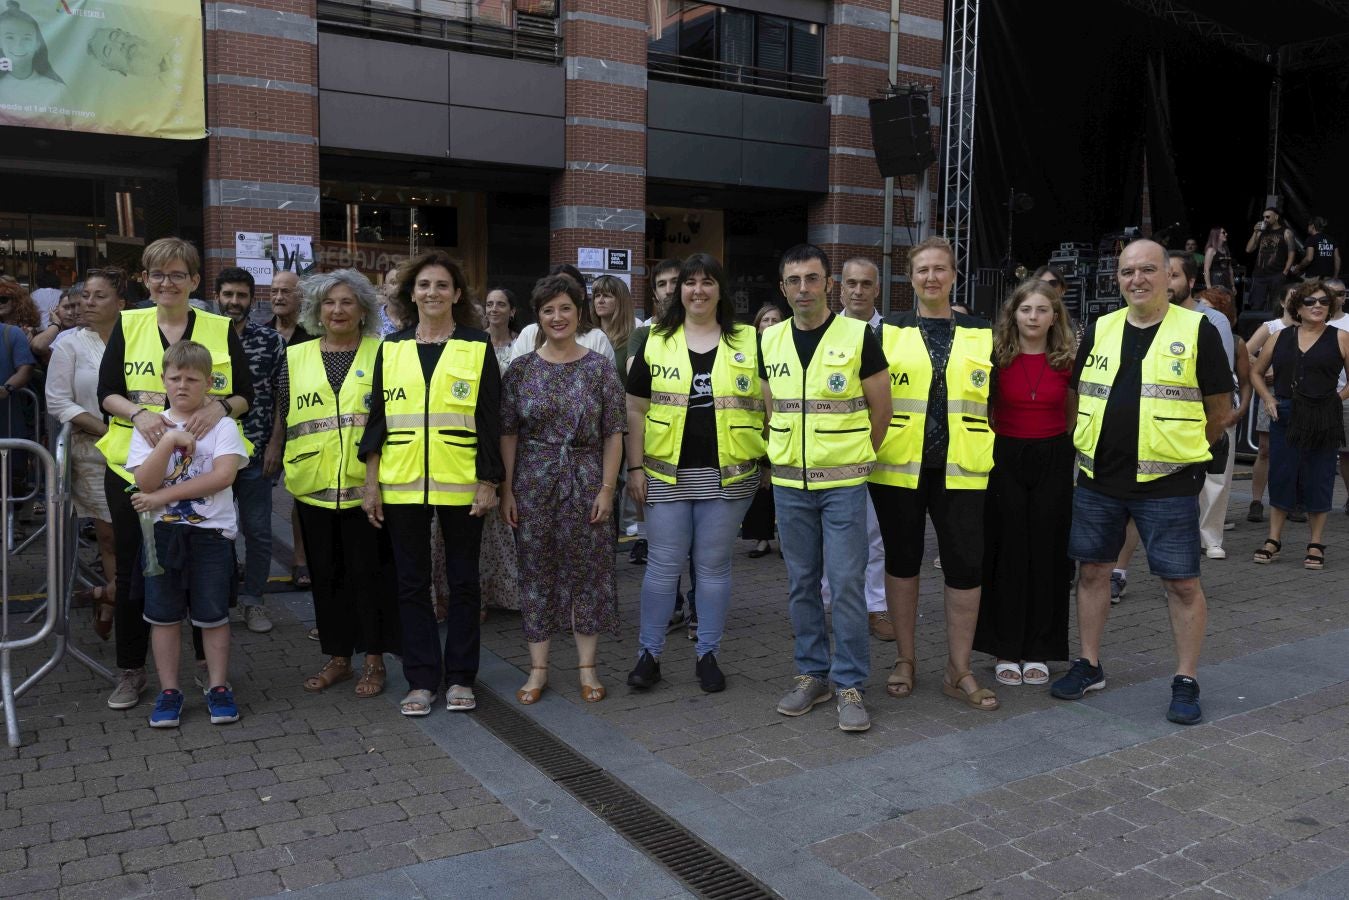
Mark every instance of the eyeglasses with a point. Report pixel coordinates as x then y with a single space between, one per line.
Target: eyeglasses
1315 301
177 278
795 281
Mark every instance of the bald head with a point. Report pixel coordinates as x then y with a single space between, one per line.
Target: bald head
286 295
1143 275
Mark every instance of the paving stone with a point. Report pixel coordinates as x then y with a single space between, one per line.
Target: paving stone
295 830
307 874
354 865
261 860
130 839
1070 873
452 843
122 886
327 847
95 868
148 858
502 833
191 874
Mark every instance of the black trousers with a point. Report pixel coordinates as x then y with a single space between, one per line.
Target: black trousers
353 605
409 528
131 630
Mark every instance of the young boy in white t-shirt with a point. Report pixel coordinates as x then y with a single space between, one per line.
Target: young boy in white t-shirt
185 483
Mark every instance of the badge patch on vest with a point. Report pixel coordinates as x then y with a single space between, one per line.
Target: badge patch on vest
739 357
838 382
218 381
1177 366
979 378
366 399
1177 348
742 382
461 390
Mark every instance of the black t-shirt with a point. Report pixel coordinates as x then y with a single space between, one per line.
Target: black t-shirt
699 447
1116 460
873 357
1323 257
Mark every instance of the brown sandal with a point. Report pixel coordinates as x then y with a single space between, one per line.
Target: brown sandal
975 698
103 609
331 673
897 685
591 694
528 696
371 682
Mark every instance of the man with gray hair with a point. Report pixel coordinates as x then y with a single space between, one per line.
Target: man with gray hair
266 352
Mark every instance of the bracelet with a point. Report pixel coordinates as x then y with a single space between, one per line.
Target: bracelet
609 486
635 468
133 415
226 404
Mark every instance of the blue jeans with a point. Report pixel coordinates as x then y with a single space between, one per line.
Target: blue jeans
253 493
1296 474
198 573
1167 526
825 532
708 528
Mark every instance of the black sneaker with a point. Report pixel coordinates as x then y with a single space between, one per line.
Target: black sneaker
646 673
1082 677
637 555
1256 513
709 674
1298 514
1184 709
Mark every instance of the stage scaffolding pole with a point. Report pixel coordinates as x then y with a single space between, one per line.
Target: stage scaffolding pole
958 130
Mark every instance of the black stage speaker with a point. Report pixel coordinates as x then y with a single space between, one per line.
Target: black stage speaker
901 134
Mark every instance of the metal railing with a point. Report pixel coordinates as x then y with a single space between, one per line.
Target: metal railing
527 37
730 76
60 531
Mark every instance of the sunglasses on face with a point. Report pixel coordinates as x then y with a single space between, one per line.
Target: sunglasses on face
1315 301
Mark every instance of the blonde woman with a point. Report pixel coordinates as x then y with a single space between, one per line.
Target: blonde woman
1023 614
611 301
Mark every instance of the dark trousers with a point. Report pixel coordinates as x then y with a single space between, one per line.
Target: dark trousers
409 529
131 629
353 606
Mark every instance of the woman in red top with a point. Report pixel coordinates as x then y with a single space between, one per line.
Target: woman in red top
1023 617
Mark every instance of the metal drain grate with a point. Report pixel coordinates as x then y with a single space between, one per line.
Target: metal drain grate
703 870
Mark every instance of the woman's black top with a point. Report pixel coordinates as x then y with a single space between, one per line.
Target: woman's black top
1314 373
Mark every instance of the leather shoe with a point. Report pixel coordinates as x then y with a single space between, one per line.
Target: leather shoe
637 555
709 674
880 626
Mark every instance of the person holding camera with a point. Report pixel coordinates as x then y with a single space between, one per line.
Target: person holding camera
1273 244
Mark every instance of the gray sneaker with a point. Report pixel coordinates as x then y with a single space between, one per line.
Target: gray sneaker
808 693
1117 585
128 691
257 620
852 715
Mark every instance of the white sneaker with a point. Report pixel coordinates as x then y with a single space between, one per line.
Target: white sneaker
632 530
1216 553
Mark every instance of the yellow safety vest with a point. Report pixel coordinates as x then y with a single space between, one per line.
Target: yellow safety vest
737 400
969 448
142 361
819 435
1171 415
430 454
323 429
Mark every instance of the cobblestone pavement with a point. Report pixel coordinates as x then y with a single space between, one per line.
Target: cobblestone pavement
332 796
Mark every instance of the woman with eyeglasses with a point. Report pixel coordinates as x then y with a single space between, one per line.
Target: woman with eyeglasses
131 392
72 396
1218 261
1306 429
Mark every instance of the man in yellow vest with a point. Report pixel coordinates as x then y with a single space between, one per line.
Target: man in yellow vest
827 403
935 462
1154 394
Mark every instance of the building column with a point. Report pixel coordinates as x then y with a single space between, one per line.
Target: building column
849 220
599 199
262 156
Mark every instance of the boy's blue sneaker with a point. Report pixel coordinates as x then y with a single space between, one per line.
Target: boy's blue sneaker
220 700
1081 677
1184 708
168 708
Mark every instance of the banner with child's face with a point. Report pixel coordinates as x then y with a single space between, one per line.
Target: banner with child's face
111 66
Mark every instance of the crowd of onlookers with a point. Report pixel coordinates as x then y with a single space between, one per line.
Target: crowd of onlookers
425 435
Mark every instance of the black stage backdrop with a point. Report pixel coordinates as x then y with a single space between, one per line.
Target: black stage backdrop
1067 102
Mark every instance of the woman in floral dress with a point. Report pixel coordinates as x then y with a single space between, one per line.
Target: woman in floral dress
562 421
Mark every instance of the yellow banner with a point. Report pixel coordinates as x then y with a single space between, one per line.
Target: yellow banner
111 66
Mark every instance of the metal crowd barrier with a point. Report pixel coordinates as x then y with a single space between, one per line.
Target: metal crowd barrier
61 543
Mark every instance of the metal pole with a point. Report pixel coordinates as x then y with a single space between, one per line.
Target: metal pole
888 231
1275 109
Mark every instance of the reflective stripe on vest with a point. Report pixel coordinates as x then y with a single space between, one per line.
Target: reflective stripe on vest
968 373
431 450
820 433
1171 417
143 359
323 429
737 403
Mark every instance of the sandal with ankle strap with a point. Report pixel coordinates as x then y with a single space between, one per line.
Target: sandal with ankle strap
591 694
331 673
417 703
897 685
973 699
1315 563
528 696
1264 556
371 682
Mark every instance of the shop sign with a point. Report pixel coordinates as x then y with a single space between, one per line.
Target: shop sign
619 260
110 66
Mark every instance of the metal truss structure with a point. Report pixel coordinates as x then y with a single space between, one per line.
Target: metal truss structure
1203 26
958 138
